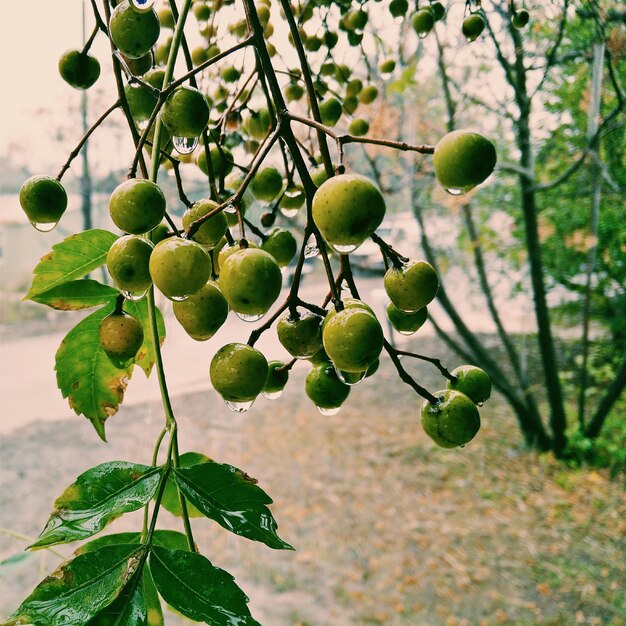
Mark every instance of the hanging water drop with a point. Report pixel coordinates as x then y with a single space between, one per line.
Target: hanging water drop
406 332
239 407
311 251
44 227
249 317
329 411
289 212
480 404
399 19
273 395
454 192
142 5
230 208
134 295
184 145
179 298
350 378
344 249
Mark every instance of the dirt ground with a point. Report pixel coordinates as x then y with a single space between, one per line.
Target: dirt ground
389 529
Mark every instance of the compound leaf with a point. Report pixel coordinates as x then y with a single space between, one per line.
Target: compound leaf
128 609
164 538
79 589
86 376
170 500
99 496
73 258
189 583
76 295
231 498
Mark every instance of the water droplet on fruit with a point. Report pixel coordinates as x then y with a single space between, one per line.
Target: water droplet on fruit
134 295
406 332
179 298
480 404
454 192
239 407
422 35
289 212
344 249
44 227
311 251
230 208
399 19
254 317
329 411
350 378
272 395
142 5
184 145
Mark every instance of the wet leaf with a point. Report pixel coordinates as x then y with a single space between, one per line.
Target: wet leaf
76 295
146 357
170 499
189 583
80 588
231 498
128 609
99 496
164 538
86 376
73 258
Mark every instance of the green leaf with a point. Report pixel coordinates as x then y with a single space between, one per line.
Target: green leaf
146 357
170 500
80 588
86 376
73 258
99 496
231 498
153 603
76 295
128 609
165 538
189 583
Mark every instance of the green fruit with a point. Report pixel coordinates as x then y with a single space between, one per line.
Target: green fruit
353 339
354 86
282 245
331 39
348 303
44 201
368 94
199 55
398 8
406 323
230 74
520 18
473 26
319 176
161 232
411 287
78 69
294 92
137 206
452 421
155 77
226 250
423 21
267 184
166 17
388 66
324 388
438 10
300 335
463 159
221 161
330 111
347 209
238 372
139 66
277 378
202 313
185 112
202 12
120 336
134 32
258 123
293 198
473 382
128 263
141 101
359 127
179 267
250 280
211 231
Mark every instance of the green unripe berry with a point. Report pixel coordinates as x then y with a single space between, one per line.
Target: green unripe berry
43 199
473 26
406 323
185 112
423 21
137 206
324 388
78 69
411 287
120 336
267 183
453 421
282 245
358 127
238 372
210 231
330 111
277 378
300 335
473 382
128 261
202 313
134 32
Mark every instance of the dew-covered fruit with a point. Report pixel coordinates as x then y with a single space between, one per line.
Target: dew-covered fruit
266 184
348 303
281 244
324 387
221 161
277 377
347 209
463 159
406 323
411 287
238 372
179 267
300 334
210 231
128 262
137 206
473 26
473 382
202 313
250 280
134 32
185 112
398 8
423 21
353 339
141 101
120 336
79 69
452 421
43 199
